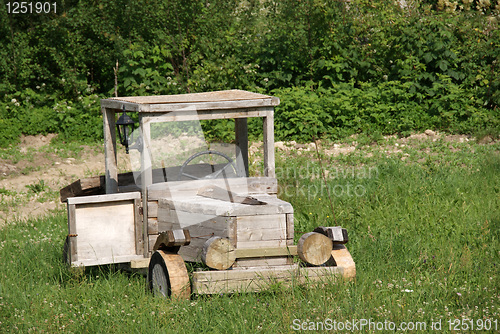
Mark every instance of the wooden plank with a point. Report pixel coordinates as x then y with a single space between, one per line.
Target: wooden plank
208 206
146 176
153 226
139 263
261 252
110 151
268 262
138 222
269 163
73 244
258 279
181 113
241 134
252 185
216 96
213 102
261 231
289 229
152 209
219 193
106 260
104 198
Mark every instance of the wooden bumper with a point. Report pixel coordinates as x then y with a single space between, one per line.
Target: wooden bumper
261 278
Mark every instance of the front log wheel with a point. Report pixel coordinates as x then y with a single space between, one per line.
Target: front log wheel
168 276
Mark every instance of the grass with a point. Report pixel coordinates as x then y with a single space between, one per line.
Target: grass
424 232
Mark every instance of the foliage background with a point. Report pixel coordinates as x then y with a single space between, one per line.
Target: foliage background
377 67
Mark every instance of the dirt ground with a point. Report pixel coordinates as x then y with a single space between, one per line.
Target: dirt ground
51 172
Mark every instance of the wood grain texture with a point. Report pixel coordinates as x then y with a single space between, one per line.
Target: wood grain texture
258 279
208 206
153 226
289 229
110 151
314 248
261 231
343 259
250 186
105 230
218 253
220 100
104 198
152 209
175 271
72 234
139 222
269 163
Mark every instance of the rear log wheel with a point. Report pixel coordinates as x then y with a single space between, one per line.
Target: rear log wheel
168 276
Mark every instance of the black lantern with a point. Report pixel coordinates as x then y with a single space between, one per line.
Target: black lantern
125 126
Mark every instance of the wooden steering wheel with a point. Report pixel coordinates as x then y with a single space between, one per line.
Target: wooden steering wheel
214 174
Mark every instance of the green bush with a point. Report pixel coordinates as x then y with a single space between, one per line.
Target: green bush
339 68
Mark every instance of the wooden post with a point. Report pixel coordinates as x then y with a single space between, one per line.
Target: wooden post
269 165
146 174
241 130
110 151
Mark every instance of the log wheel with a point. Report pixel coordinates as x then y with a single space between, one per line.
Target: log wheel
168 276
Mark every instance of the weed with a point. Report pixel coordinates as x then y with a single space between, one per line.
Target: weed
37 187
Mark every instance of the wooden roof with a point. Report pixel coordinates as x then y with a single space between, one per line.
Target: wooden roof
227 99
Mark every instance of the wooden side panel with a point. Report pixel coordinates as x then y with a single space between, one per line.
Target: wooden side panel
105 229
261 231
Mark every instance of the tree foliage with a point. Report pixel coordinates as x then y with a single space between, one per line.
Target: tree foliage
340 67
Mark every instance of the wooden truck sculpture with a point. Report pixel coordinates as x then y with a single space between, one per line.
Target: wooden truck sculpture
201 208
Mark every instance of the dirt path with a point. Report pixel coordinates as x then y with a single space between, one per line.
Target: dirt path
30 179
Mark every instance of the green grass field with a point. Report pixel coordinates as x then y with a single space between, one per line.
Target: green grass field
424 228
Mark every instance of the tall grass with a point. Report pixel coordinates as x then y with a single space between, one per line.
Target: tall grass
424 232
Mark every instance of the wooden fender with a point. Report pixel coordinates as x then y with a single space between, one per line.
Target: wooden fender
342 258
